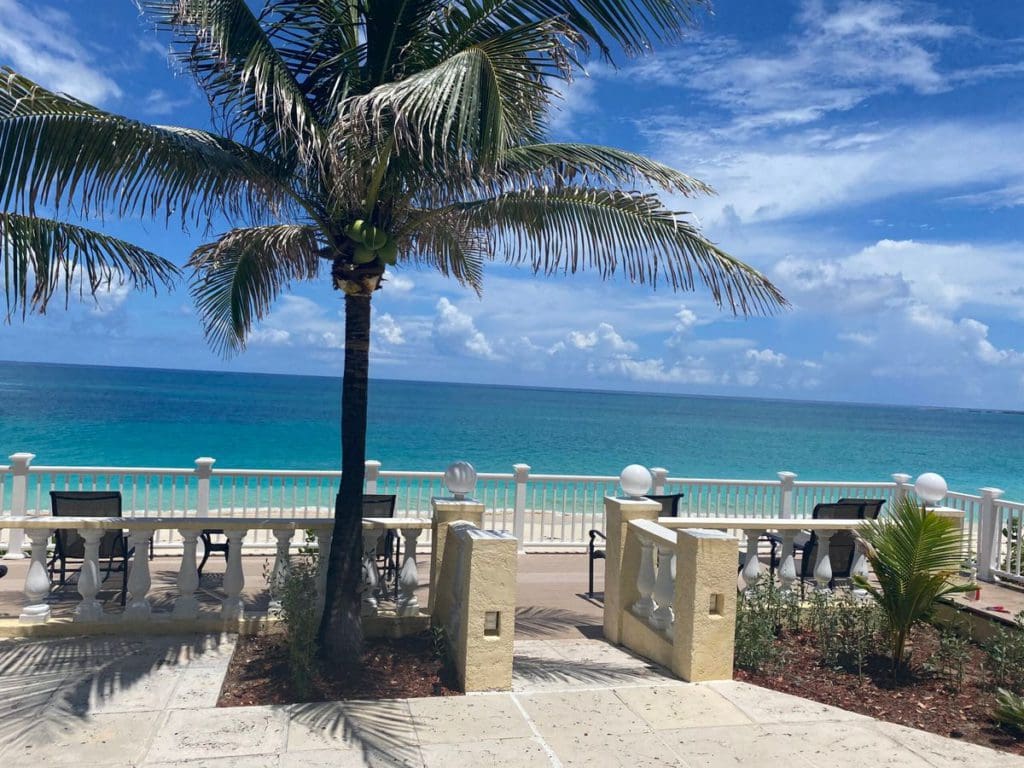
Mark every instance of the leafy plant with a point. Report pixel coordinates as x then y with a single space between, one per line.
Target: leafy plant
857 625
1005 661
952 656
759 613
300 616
1009 711
914 554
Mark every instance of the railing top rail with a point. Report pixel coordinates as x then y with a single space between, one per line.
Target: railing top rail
159 523
329 473
652 530
963 496
413 474
718 481
575 478
35 469
759 523
1017 505
842 484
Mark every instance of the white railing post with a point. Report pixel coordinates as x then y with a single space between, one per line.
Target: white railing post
186 606
371 575
988 534
37 581
823 563
139 580
787 565
89 609
645 580
659 476
752 563
521 476
20 463
664 588
903 486
203 473
371 471
232 608
786 481
408 576
282 564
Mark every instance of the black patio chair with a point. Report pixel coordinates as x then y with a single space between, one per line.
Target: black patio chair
842 547
669 508
383 505
209 546
68 545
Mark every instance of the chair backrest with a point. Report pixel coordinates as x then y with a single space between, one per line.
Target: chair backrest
842 545
669 503
379 504
871 507
85 504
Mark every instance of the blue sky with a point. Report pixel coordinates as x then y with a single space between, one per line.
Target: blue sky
868 156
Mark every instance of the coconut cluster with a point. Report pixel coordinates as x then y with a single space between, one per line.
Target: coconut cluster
372 242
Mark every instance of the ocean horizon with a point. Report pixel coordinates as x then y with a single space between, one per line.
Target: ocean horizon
124 416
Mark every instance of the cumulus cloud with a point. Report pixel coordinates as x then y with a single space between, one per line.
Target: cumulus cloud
456 333
42 43
387 329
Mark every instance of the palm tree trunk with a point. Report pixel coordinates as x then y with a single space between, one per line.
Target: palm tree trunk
341 631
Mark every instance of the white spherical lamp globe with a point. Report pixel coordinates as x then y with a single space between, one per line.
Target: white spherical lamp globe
930 487
460 479
635 480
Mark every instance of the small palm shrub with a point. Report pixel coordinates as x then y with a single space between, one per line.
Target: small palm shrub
1009 711
914 554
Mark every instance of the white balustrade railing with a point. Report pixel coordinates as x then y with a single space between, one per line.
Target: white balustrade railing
540 510
1008 540
141 530
656 576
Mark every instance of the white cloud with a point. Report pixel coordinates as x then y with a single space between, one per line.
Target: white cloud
397 283
604 340
387 329
159 102
41 43
456 333
270 337
766 357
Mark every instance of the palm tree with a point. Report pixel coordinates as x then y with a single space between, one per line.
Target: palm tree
357 134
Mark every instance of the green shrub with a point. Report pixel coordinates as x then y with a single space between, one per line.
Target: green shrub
1009 711
952 656
914 554
760 612
297 593
1005 662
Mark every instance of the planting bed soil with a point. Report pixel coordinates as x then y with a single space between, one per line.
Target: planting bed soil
923 699
391 669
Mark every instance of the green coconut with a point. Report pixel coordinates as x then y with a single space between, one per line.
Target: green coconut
356 231
363 255
388 253
374 237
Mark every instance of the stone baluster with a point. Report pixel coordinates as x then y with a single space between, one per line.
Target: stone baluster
859 567
187 606
37 580
823 563
751 563
787 564
408 577
664 588
89 609
232 607
282 564
323 555
139 580
645 580
371 576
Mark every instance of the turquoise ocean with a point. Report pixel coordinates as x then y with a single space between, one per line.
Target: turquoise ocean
79 415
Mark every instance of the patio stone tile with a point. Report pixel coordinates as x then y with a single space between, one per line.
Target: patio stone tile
378 725
243 761
765 706
203 733
198 687
508 753
121 688
612 750
407 757
817 744
942 752
593 712
100 740
467 719
684 706
563 664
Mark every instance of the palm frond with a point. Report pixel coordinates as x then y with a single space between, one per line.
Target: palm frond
571 229
237 277
43 257
447 241
225 47
56 150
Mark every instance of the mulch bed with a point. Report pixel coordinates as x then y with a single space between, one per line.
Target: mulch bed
921 700
390 669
